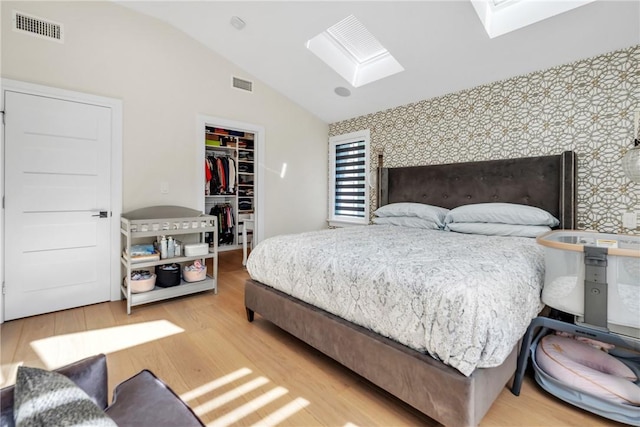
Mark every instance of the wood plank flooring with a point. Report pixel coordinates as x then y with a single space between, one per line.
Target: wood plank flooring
233 372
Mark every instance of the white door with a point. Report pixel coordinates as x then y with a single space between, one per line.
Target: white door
57 180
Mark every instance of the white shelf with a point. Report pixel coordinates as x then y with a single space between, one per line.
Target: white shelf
174 260
177 232
172 215
159 293
220 148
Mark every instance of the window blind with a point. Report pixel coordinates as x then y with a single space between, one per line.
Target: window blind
350 179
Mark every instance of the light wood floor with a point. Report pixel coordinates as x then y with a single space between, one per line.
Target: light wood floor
233 372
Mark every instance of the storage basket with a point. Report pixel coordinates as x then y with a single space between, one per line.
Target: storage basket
194 275
141 285
168 275
196 249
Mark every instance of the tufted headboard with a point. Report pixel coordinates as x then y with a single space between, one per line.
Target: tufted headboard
547 182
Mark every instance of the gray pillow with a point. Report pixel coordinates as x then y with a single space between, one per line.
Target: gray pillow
502 213
408 221
435 214
489 229
43 398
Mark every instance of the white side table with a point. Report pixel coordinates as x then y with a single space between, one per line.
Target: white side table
247 224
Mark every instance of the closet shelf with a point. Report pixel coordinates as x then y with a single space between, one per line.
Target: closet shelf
220 148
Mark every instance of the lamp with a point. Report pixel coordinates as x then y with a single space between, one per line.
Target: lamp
631 160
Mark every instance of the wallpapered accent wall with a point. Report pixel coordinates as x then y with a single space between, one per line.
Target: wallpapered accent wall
587 106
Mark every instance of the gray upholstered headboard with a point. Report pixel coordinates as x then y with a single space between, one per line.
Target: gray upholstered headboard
547 182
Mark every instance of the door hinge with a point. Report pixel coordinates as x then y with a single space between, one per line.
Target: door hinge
4 289
2 116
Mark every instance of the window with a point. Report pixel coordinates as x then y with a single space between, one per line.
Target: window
349 190
354 53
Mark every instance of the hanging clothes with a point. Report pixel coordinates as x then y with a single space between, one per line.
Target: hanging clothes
222 170
232 176
207 177
226 224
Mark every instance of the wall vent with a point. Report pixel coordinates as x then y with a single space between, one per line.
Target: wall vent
242 84
38 27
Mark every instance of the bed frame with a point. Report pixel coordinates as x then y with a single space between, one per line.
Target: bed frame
437 390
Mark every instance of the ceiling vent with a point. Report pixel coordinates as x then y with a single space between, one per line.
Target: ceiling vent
38 27
242 84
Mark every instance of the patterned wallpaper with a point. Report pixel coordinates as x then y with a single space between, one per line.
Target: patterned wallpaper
587 106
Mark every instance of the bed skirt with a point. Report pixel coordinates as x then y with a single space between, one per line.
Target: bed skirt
437 390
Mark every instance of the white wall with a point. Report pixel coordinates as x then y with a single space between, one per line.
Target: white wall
165 79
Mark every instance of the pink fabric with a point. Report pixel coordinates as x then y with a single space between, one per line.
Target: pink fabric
587 369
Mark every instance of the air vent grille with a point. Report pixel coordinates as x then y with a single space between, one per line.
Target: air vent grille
37 26
242 84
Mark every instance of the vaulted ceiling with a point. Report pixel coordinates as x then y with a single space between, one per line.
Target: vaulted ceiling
442 45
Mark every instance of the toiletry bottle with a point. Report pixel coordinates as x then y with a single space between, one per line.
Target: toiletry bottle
163 247
170 248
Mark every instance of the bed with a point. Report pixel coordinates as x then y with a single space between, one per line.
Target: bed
438 389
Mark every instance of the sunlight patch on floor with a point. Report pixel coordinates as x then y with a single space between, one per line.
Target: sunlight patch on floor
279 415
248 408
11 370
230 395
209 387
239 394
61 350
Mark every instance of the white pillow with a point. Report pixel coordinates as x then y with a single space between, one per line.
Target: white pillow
503 213
407 209
494 229
408 221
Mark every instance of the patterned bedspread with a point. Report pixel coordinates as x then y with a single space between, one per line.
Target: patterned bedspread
464 299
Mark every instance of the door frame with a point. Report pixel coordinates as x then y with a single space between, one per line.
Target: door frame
203 120
9 85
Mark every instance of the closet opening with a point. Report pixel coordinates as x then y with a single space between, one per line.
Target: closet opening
231 185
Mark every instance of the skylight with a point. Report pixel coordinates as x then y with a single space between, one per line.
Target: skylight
354 53
502 16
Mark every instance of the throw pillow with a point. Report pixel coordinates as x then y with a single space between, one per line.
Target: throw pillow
43 398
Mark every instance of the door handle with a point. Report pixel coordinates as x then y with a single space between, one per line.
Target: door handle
102 214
